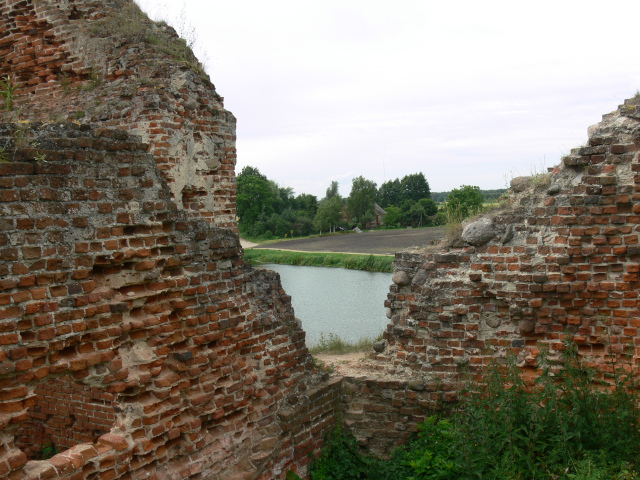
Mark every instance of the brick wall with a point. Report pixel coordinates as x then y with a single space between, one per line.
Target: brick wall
108 284
560 263
66 414
105 63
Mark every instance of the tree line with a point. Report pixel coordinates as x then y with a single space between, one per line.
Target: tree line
267 210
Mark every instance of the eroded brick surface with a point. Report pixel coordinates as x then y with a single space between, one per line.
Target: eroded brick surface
563 265
139 328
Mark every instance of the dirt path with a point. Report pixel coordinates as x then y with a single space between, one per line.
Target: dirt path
247 243
380 242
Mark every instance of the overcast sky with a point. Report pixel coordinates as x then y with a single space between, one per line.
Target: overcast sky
467 92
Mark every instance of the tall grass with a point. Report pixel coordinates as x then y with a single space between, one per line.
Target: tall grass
368 263
333 344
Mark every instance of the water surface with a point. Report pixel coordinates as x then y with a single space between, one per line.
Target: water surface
349 303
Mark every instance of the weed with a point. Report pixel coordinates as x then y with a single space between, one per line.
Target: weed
48 450
333 344
322 366
95 79
79 114
7 90
3 156
540 181
133 25
565 426
63 78
454 215
41 158
21 136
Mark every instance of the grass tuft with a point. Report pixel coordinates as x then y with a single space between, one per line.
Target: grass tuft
332 344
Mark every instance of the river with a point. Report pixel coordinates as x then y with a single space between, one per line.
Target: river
348 303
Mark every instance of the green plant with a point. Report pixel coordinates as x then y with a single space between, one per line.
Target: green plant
22 136
7 90
334 344
322 366
63 78
95 79
40 158
133 25
48 450
340 458
570 424
540 181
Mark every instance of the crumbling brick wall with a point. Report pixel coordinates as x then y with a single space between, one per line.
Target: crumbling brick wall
557 262
108 287
105 63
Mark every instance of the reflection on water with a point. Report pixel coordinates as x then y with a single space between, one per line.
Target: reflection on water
349 303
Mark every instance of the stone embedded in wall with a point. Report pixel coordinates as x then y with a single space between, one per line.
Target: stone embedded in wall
479 232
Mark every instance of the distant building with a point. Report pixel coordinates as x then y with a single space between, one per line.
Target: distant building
378 219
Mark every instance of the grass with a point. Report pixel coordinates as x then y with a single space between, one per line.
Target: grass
332 344
368 263
568 425
7 90
132 24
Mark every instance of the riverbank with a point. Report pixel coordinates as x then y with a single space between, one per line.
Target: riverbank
353 261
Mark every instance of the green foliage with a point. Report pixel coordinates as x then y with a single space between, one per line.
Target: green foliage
407 201
565 426
465 201
489 195
335 345
329 213
414 187
7 90
48 450
394 216
133 25
362 199
266 210
340 458
352 261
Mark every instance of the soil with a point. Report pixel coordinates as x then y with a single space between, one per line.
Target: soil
378 242
346 365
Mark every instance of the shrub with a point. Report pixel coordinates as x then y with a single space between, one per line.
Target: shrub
568 425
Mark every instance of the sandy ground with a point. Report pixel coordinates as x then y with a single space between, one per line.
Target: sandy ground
348 365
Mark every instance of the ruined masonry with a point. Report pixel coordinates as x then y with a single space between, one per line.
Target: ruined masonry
135 342
134 338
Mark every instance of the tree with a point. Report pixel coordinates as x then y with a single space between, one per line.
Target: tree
254 196
362 199
393 216
329 213
430 207
390 193
465 201
332 191
414 187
